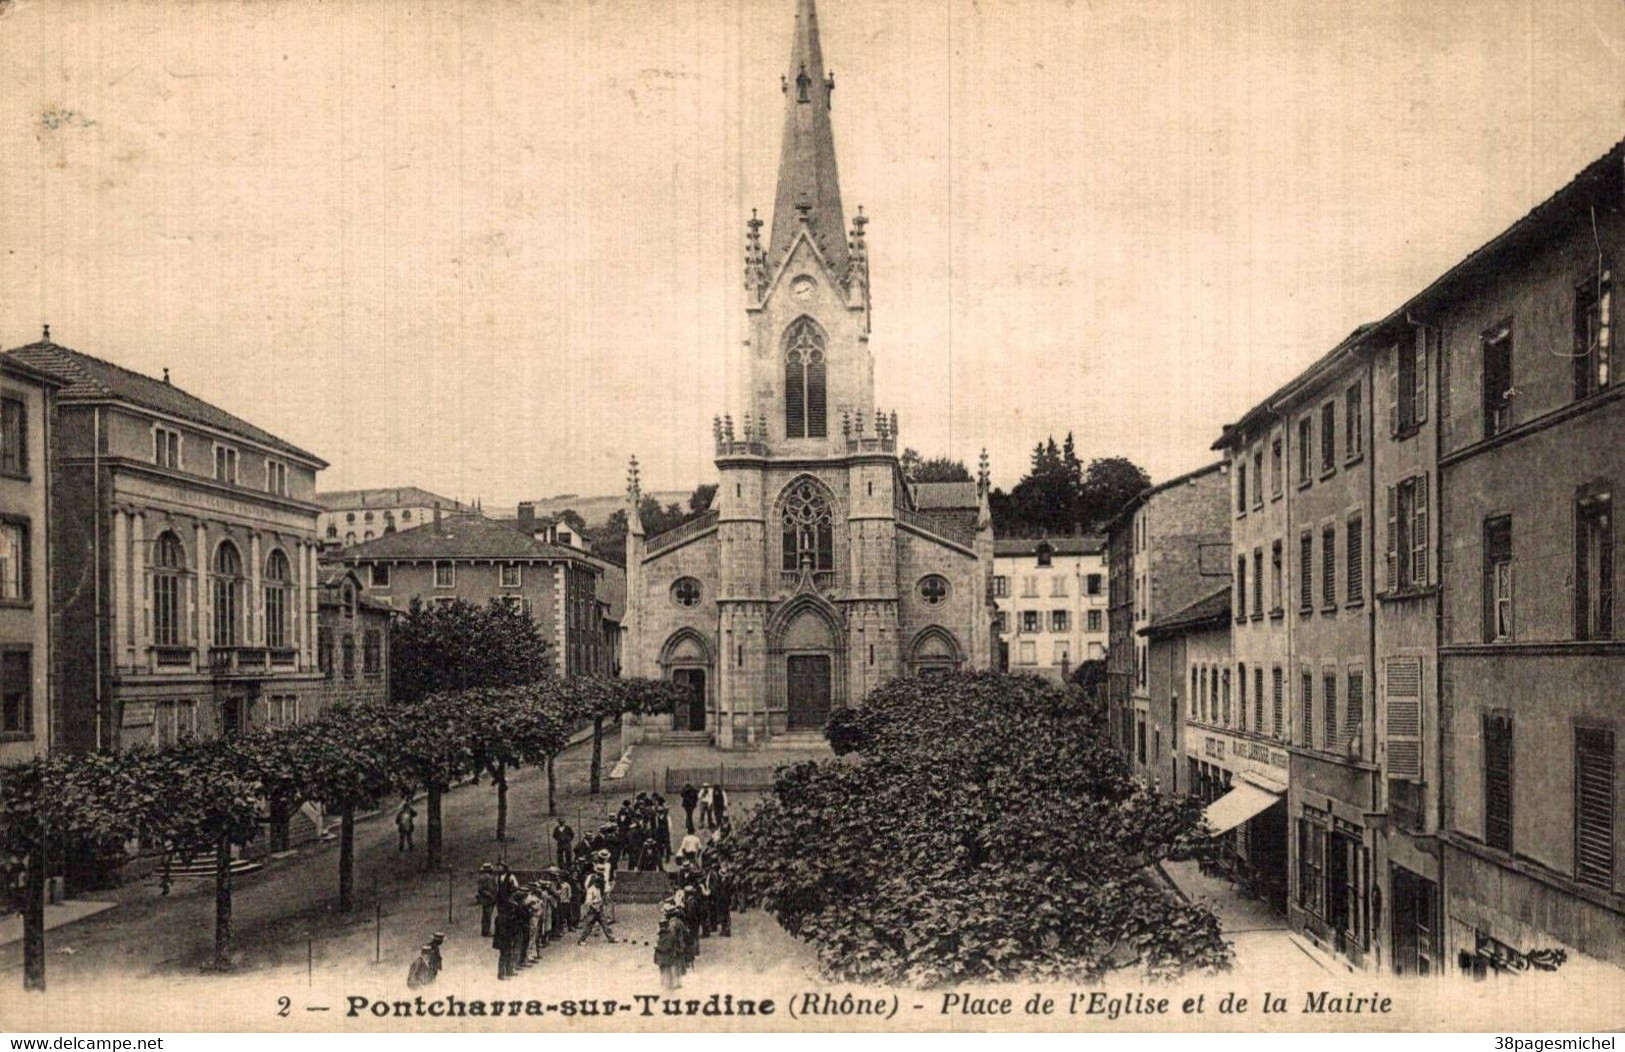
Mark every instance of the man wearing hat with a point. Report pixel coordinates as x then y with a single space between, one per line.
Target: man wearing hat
435 960
669 946
485 892
562 835
595 911
421 973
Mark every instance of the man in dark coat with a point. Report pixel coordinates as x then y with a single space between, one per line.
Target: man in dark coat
562 836
691 800
719 804
669 947
421 973
485 892
722 895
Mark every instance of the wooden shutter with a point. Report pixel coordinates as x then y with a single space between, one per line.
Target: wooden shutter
1306 734
1423 337
1403 722
25 572
1498 782
1419 533
1391 577
1594 806
1355 586
1279 702
1306 571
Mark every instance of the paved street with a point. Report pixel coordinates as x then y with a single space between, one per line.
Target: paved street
1264 946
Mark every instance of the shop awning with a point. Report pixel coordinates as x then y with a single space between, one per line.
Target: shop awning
1241 803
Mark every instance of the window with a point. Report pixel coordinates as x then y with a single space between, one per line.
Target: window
1277 468
1241 588
1258 701
1193 693
276 600
1241 695
1355 557
276 478
349 601
349 517
324 651
1057 587
1408 395
16 692
1328 436
804 410
166 447
168 560
509 576
686 592
1001 587
808 539
1594 806
1353 425
445 575
1306 710
332 532
1060 621
1094 621
1593 332
1278 701
228 573
173 721
1498 389
1029 620
1092 584
1498 579
1306 571
406 516
379 575
1498 781
1241 488
1275 576
1063 652
1029 652
15 579
1001 625
349 539
933 589
1311 866
372 653
1408 533
1328 698
13 437
1594 564
1328 567
1201 704
1258 478
1354 711
1305 470
225 464
1046 555
1225 697
348 648
1258 582
1029 586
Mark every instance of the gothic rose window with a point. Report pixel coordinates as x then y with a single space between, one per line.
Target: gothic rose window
686 592
804 395
933 589
809 540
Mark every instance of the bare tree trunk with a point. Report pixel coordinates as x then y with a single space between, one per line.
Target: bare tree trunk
597 754
431 857
501 778
552 790
34 920
222 903
347 859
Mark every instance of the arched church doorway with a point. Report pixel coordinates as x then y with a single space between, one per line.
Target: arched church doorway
689 715
809 641
686 659
807 681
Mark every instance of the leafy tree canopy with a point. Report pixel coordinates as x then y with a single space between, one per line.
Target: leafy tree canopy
937 853
1059 494
456 646
933 469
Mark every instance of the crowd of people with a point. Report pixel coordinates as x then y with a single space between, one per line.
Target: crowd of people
701 905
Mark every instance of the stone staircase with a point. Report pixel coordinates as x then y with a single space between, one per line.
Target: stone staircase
797 740
685 738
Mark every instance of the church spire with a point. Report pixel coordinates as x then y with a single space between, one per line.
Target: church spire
809 191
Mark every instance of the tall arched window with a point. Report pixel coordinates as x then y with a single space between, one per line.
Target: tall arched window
805 413
228 582
809 539
168 561
276 600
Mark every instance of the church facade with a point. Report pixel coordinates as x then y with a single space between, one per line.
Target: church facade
819 572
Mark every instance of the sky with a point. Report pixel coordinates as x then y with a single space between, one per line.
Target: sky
494 248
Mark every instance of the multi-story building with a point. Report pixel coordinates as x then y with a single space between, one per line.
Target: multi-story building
479 560
1166 548
1051 599
1531 449
27 397
549 530
352 640
355 516
183 546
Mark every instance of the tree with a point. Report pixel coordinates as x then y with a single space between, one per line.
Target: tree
572 518
515 727
602 698
346 757
433 748
1110 484
932 469
700 501
440 647
892 863
1058 496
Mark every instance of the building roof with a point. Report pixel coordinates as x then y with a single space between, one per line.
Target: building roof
91 379
612 591
1211 611
328 581
1065 545
931 496
461 537
386 497
1287 392
807 174
12 364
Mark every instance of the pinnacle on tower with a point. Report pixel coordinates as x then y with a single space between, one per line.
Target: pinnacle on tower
809 189
634 497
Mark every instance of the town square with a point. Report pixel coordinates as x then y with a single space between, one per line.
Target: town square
498 525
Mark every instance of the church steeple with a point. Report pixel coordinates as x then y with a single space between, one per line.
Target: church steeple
809 191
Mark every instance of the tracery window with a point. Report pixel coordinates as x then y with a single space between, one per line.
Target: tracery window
809 539
228 574
804 389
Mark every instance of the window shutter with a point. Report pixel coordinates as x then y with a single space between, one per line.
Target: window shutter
1391 578
1393 391
25 572
1594 806
1423 337
1403 696
1419 534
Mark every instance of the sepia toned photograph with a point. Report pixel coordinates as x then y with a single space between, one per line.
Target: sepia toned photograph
770 516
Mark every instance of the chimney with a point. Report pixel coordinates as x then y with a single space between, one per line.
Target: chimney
527 515
436 516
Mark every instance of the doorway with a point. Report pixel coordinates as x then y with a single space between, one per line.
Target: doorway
1415 923
690 715
807 690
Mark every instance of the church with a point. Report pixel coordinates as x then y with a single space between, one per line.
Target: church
820 572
